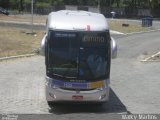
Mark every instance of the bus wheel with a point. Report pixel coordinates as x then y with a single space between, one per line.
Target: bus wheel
50 103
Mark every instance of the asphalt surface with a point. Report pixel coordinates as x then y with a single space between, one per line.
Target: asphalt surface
134 84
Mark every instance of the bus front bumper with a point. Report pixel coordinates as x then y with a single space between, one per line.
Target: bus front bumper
62 95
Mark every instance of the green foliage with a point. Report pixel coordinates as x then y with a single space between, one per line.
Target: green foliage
27 1
155 4
119 4
42 5
137 3
57 2
19 4
4 3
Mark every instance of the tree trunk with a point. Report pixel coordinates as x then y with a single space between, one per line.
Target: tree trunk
21 5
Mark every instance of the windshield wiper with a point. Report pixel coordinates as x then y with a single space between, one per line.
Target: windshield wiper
62 76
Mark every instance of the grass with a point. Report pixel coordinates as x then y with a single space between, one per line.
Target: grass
24 18
15 41
133 27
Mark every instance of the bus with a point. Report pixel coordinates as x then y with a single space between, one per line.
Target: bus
78 49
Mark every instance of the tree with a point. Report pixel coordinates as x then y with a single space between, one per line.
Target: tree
118 3
21 5
4 3
155 4
57 2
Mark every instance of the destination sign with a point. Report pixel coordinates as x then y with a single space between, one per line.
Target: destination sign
97 39
65 35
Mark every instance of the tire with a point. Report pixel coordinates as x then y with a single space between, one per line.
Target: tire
50 103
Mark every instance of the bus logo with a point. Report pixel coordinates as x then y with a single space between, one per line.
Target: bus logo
68 85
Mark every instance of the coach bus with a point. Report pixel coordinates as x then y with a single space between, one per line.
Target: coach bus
78 49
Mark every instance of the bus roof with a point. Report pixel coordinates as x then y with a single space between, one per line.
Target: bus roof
77 21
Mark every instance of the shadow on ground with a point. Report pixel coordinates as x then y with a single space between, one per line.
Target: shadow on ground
113 106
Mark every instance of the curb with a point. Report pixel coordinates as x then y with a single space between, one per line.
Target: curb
141 32
116 32
18 56
148 58
22 25
132 33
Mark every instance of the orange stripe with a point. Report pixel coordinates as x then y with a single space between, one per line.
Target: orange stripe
97 84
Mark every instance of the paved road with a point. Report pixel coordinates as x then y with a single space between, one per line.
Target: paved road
134 85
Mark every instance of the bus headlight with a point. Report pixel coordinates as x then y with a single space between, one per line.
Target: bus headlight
52 95
100 89
102 96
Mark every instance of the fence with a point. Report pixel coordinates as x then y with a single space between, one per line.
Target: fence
120 12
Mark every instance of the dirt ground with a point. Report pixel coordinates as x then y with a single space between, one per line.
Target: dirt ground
17 41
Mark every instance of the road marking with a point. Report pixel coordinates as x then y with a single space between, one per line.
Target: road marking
116 32
19 56
149 59
142 32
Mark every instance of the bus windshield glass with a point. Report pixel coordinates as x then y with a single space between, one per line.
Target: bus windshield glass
63 54
79 55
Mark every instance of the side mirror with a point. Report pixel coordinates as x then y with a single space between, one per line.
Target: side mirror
113 48
42 49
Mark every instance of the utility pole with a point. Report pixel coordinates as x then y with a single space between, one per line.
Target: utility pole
32 15
99 5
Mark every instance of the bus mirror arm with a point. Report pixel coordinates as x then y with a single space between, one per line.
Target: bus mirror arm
42 48
113 48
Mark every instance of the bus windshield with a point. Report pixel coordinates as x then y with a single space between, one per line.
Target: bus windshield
79 55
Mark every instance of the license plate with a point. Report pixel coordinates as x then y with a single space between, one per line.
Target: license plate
77 97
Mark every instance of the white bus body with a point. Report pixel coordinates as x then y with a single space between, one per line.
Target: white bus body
76 25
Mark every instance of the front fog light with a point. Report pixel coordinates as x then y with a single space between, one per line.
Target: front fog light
52 95
101 89
103 96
